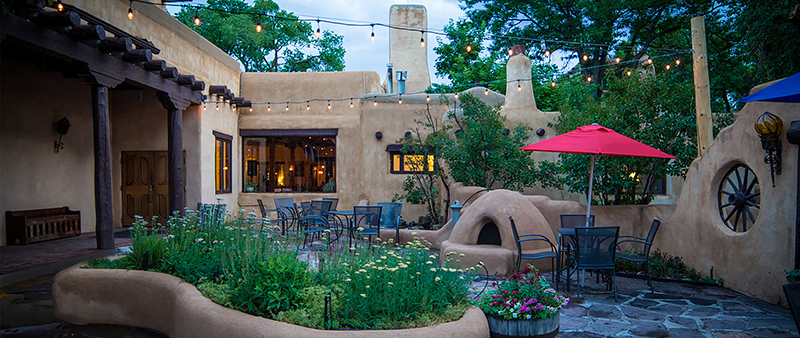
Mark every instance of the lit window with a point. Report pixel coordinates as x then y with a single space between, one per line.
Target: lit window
411 163
222 167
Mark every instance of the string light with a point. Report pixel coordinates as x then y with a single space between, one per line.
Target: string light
668 66
196 20
130 11
375 101
351 102
510 52
589 79
251 108
546 53
372 36
469 48
519 86
649 61
258 27
428 98
308 105
269 106
422 39
629 73
287 105
318 33
617 60
486 91
552 84
204 105
400 101
585 57
217 105
677 62
60 6
329 104
456 96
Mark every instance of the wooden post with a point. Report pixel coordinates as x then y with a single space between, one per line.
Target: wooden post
174 108
702 91
104 212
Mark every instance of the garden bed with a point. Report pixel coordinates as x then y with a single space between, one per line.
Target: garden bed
166 303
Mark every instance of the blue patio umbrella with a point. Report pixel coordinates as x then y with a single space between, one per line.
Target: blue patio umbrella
786 90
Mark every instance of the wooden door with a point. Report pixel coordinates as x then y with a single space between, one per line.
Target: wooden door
137 186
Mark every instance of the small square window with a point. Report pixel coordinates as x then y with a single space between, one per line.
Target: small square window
411 163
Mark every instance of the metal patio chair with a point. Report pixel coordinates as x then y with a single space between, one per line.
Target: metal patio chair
390 217
644 255
519 239
366 221
792 291
315 218
567 244
595 249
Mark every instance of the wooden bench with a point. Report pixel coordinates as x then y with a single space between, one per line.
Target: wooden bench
31 226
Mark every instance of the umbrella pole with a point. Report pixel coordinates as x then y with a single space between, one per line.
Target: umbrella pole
591 182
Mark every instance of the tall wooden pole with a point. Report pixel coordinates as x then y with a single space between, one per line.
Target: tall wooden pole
702 90
174 108
104 212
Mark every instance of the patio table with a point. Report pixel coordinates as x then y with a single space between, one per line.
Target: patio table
348 216
565 232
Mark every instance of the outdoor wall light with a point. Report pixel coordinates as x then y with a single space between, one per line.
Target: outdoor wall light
407 134
540 132
62 127
768 127
378 135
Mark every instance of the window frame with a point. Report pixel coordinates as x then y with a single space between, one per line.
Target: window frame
397 150
224 176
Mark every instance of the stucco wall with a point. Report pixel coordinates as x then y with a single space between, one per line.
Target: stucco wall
32 176
752 262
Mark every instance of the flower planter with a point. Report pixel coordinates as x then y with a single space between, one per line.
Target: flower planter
541 328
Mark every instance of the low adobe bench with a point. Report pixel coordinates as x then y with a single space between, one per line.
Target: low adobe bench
31 226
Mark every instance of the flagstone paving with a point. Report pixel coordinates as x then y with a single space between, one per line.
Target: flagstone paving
674 310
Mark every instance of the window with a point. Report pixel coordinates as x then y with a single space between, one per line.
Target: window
282 161
222 167
403 163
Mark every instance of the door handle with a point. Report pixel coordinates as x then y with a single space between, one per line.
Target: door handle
150 189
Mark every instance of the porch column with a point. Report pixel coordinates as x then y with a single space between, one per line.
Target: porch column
103 207
175 109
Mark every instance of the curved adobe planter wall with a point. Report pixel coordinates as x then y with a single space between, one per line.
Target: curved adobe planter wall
167 304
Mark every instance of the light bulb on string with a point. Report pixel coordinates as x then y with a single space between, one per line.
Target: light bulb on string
251 108
130 11
329 104
217 105
589 79
318 33
649 61
427 98
552 84
400 101
196 20
585 57
372 36
59 6
546 53
308 105
510 52
204 105
469 48
677 62
375 101
628 73
287 105
351 102
617 60
519 86
258 27
456 96
269 106
668 66
422 39
486 91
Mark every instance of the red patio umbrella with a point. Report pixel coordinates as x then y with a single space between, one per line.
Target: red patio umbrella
595 140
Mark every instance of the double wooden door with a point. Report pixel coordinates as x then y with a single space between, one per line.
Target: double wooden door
145 186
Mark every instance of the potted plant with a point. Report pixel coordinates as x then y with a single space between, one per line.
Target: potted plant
250 187
523 305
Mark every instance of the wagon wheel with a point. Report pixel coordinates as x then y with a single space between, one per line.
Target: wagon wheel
739 198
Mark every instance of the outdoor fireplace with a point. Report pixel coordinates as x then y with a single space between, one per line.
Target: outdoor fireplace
489 235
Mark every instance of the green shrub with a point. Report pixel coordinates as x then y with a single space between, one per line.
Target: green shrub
793 276
663 265
217 293
312 311
271 286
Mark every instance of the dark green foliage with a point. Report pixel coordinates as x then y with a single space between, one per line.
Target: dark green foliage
483 154
271 286
657 110
663 265
281 46
793 276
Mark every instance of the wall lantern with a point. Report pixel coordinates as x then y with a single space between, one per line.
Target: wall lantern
378 135
768 127
62 127
540 132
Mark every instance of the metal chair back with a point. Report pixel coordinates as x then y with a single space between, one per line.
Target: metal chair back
390 213
575 220
367 217
262 208
285 206
334 202
792 291
651 235
320 207
596 247
306 208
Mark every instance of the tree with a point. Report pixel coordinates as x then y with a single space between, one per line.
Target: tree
282 44
428 138
484 153
657 110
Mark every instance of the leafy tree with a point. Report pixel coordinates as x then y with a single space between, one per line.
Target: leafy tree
657 110
280 47
428 138
484 153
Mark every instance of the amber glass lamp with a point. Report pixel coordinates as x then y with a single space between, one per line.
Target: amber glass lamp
768 126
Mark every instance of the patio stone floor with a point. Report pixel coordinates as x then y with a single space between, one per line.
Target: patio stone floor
674 310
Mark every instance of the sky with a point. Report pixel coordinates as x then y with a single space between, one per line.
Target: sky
361 53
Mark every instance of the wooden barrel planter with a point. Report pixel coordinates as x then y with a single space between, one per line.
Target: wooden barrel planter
540 328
